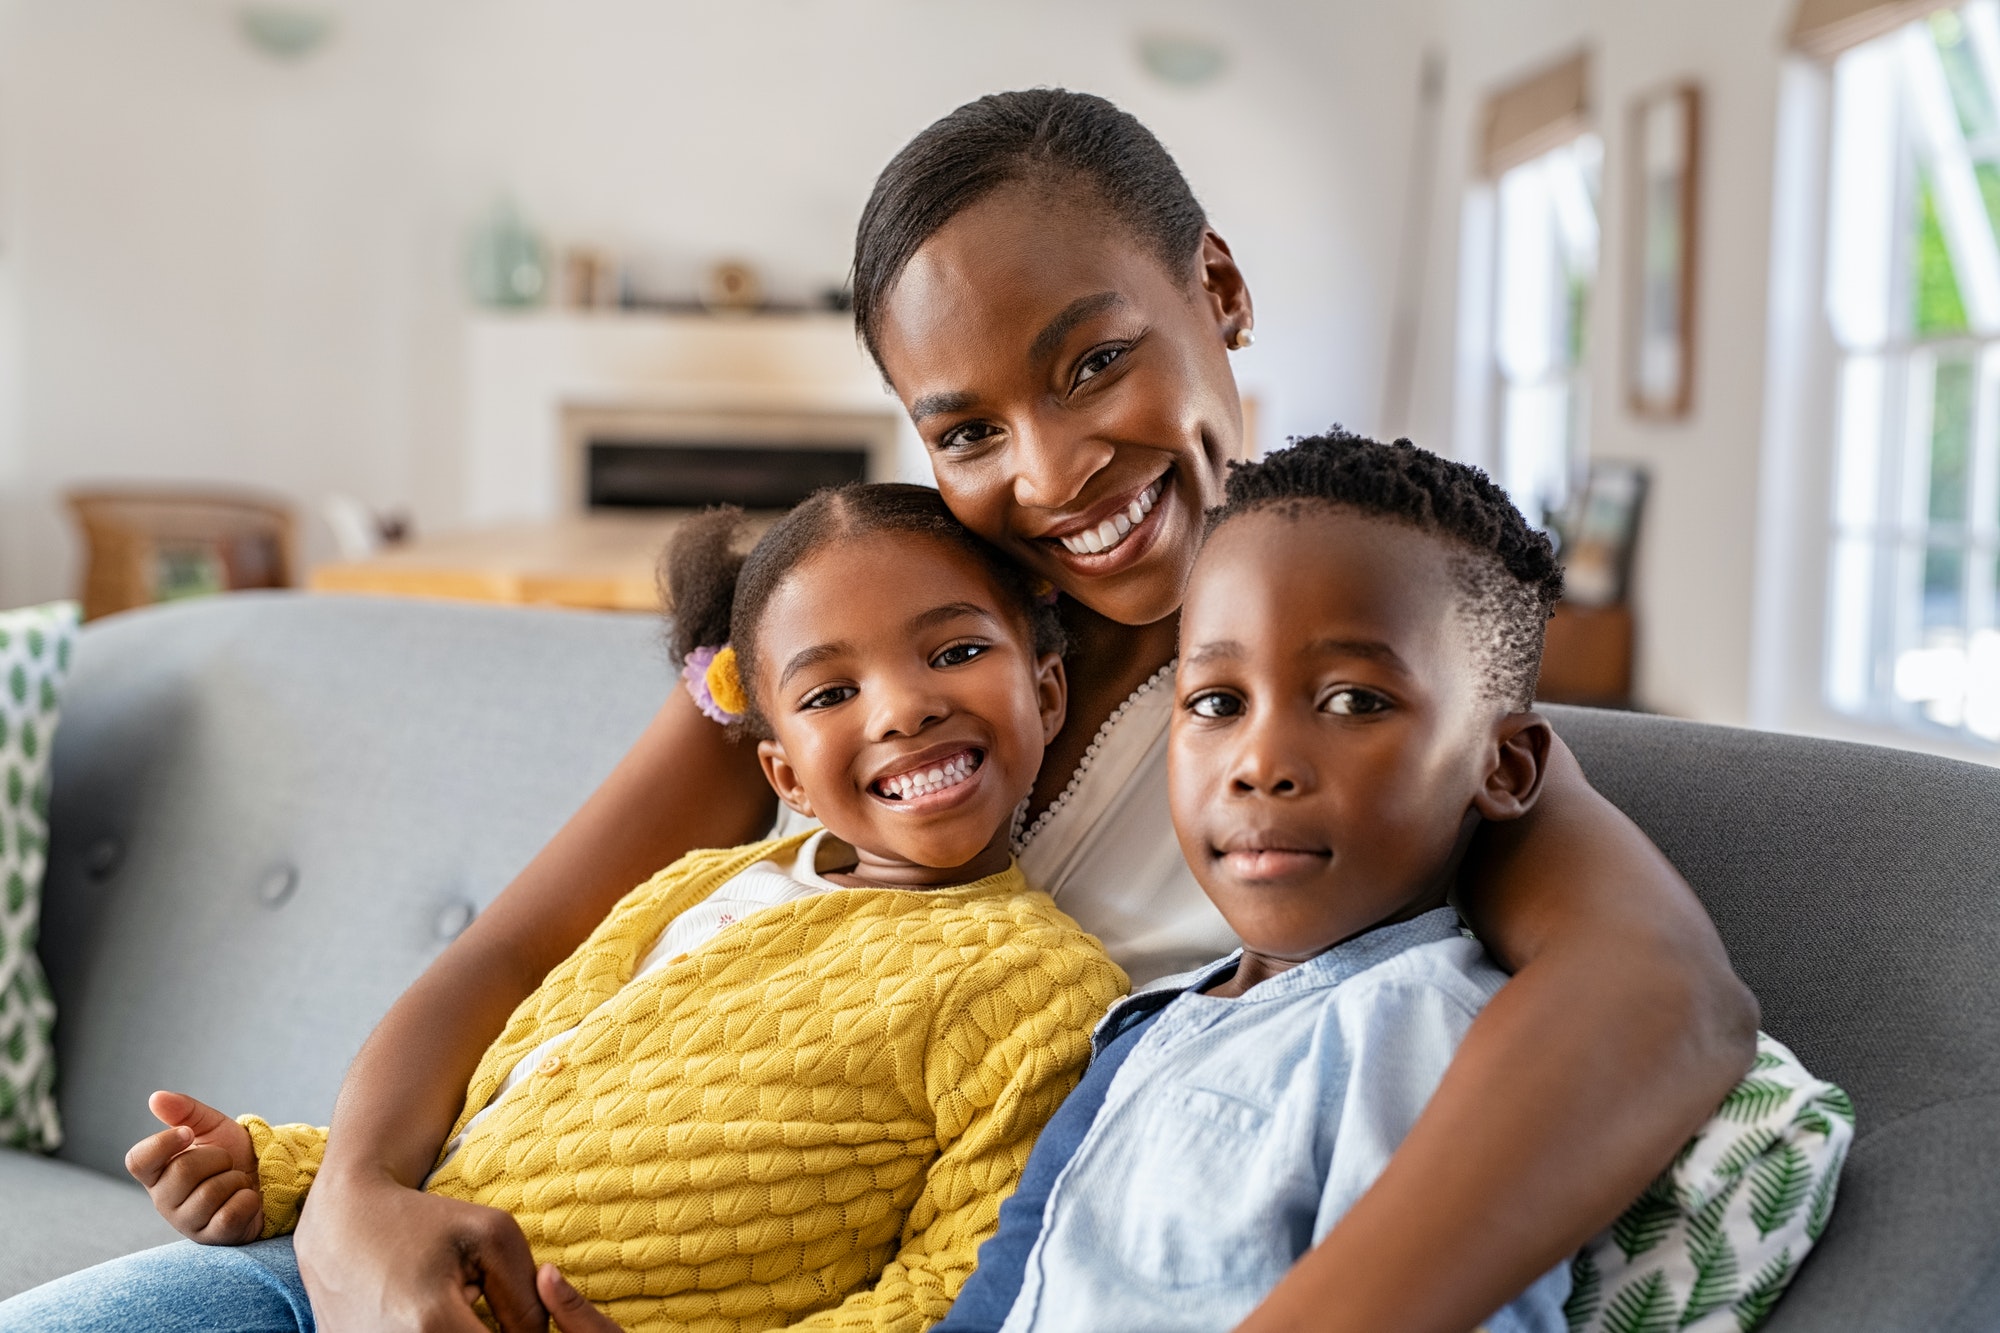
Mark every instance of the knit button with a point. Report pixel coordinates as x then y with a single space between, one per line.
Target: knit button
550 1065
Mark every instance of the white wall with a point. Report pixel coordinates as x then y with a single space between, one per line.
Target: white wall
217 266
1698 549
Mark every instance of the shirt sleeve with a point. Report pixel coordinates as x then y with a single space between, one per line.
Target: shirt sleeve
288 1157
1009 1044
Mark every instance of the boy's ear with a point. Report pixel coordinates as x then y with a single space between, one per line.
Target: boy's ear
1520 756
784 779
1051 693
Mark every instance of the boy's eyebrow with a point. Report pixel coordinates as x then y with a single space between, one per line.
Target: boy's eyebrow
1212 650
950 611
1372 649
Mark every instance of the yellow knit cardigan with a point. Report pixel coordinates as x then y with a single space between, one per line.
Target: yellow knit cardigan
815 1114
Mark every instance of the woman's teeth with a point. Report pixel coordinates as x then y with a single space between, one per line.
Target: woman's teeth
905 786
1115 529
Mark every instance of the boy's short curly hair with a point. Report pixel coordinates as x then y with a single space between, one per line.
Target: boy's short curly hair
1506 570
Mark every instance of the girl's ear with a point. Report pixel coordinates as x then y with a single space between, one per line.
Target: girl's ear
1520 756
784 779
1051 693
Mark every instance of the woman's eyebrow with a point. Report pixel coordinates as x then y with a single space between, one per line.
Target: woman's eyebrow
1071 315
932 404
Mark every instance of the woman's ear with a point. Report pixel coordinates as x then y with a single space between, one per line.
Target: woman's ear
1228 293
1520 755
784 779
1051 694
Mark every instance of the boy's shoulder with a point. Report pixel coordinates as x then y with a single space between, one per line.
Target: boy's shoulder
1456 969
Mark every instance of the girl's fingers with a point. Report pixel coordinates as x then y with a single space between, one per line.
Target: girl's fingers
188 1172
238 1221
150 1156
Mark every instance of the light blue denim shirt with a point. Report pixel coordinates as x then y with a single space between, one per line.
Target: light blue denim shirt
1238 1131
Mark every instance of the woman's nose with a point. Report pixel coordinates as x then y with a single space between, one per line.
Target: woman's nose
1052 466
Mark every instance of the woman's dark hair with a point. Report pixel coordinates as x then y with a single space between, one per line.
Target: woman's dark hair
1507 573
1047 135
716 595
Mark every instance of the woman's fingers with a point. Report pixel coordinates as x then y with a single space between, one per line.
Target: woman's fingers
567 1307
499 1260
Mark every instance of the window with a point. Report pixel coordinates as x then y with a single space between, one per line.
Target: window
1913 303
1546 240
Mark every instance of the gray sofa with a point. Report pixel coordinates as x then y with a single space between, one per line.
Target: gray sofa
270 811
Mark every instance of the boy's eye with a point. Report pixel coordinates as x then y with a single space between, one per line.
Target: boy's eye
1215 704
1098 362
828 697
1355 703
960 653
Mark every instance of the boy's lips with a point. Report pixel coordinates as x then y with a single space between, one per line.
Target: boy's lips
1267 857
931 781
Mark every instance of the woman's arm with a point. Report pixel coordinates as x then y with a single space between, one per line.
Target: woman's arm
376 1253
1622 1030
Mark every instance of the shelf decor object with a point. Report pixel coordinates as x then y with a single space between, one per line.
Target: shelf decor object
1664 210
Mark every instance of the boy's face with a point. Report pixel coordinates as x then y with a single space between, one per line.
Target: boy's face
888 659
1330 737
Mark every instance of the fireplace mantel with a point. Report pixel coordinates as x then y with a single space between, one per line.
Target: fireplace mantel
523 370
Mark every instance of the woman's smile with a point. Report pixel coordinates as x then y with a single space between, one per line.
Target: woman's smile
1106 529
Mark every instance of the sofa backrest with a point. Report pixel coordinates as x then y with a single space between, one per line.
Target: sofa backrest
1858 890
271 811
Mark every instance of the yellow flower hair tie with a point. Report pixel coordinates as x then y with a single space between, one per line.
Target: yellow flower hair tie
725 683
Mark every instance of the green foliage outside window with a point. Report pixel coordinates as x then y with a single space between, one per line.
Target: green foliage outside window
1940 311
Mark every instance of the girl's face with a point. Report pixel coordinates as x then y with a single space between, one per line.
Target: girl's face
1075 396
908 707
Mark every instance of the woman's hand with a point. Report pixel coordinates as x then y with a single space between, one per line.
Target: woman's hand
375 1253
567 1307
405 1260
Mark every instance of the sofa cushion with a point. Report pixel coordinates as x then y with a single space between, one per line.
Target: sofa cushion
35 647
61 1218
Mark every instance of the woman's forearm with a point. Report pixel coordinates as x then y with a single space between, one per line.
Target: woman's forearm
1621 1031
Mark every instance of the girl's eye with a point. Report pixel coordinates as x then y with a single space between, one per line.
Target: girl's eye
960 653
1215 704
828 697
1355 703
1097 363
967 435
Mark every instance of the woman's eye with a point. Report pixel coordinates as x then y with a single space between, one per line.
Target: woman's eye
967 435
1215 704
1355 703
1097 363
828 697
960 653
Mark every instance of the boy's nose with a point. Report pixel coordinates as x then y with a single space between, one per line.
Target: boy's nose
1269 761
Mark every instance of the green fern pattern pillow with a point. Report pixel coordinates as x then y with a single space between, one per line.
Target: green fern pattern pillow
1713 1243
35 649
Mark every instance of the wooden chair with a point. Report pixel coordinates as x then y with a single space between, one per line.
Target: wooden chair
156 544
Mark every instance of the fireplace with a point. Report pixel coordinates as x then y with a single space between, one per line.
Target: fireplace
662 458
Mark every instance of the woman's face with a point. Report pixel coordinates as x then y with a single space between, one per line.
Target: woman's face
1075 396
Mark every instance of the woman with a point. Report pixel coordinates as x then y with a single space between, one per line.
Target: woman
1042 291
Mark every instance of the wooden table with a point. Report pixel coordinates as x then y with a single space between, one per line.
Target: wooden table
602 562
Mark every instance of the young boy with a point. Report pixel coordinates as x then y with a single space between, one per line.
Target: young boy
1359 648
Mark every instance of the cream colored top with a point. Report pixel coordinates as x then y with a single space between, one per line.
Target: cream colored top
1106 852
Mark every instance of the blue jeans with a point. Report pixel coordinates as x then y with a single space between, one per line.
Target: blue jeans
180 1288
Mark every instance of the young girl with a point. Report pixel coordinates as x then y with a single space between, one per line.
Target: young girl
785 1084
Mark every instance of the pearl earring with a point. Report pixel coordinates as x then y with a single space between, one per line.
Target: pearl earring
1240 340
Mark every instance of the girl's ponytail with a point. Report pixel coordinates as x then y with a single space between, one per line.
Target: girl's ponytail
698 576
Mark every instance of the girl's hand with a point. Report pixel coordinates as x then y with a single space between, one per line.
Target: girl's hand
566 1305
200 1171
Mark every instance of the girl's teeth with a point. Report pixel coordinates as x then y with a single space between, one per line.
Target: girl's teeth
937 779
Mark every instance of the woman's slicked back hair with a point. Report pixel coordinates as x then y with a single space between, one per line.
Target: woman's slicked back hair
1042 134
